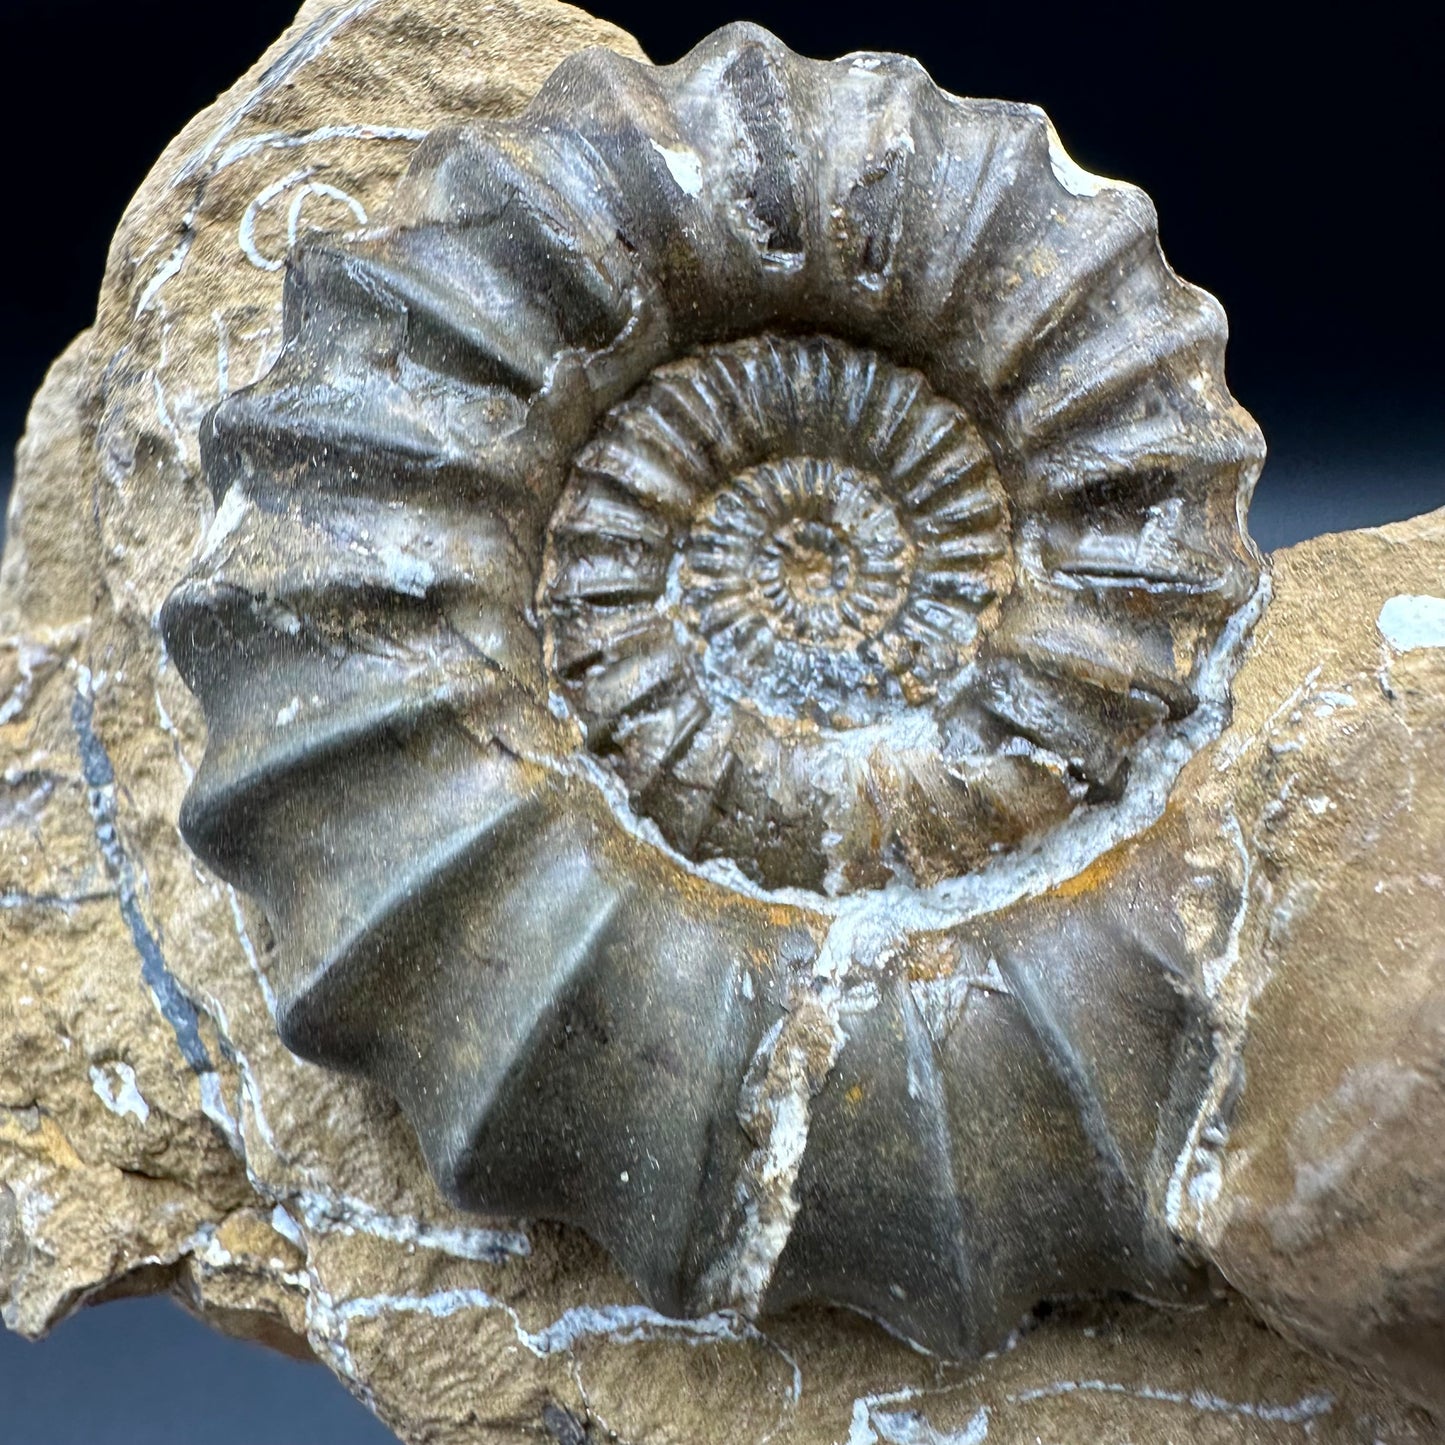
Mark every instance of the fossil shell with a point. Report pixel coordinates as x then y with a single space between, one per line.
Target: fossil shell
695 585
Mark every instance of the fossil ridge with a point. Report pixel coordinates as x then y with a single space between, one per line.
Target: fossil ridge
726 493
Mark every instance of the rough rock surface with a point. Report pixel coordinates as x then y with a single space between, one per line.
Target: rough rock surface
1326 1204
154 1134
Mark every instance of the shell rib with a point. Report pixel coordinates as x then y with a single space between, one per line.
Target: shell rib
695 583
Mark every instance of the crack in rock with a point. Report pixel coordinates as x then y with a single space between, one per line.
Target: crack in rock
789 1068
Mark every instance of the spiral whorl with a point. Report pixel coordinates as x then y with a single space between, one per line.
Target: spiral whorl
697 623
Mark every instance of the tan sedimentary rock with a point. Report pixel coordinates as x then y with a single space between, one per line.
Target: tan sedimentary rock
1326 1205
154 1134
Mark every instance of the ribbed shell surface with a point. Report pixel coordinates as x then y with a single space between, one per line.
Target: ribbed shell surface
682 568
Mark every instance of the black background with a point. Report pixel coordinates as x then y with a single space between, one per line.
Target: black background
1296 158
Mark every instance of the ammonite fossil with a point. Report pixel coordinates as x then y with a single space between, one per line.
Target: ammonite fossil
698 584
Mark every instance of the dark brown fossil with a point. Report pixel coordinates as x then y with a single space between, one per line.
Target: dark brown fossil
698 590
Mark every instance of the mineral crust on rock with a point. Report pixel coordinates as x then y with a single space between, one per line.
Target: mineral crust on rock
154 1133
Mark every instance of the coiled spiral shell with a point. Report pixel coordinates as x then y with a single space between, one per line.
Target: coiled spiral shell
695 587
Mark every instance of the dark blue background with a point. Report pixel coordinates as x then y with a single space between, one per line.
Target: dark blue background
1298 174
